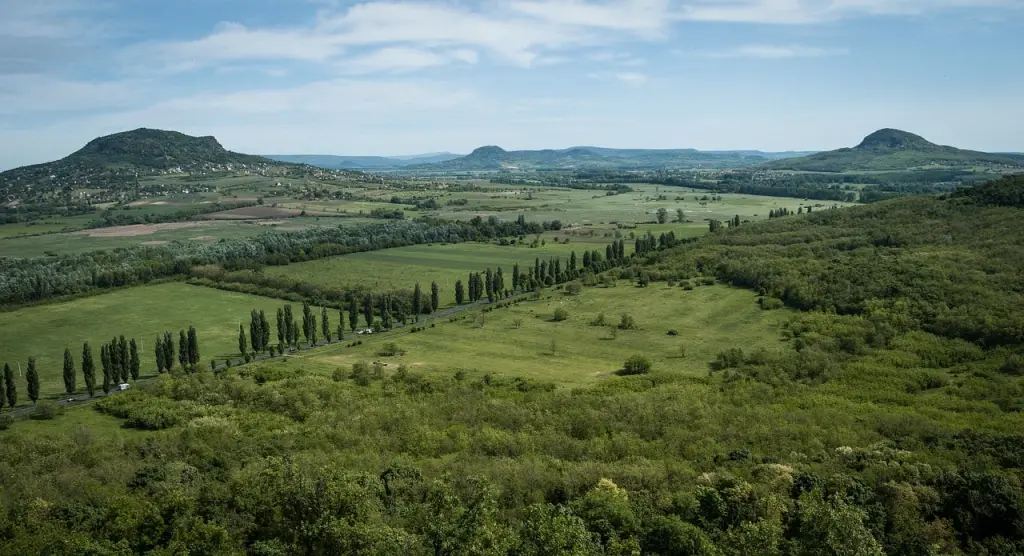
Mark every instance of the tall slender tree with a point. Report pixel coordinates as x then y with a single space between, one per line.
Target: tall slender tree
168 350
255 334
280 325
88 369
182 349
368 309
114 354
158 348
515 276
69 372
32 377
435 297
242 344
134 366
325 327
105 363
460 293
193 347
3 392
489 284
417 301
308 329
295 333
341 325
312 329
353 313
289 320
499 282
11 390
124 355
265 330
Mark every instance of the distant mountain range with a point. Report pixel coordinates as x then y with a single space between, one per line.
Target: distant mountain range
491 158
337 162
896 150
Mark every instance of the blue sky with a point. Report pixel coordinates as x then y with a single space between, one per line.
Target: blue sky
402 77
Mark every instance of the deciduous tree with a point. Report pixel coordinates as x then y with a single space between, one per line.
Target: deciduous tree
460 293
88 369
11 390
32 378
435 297
134 365
242 344
69 372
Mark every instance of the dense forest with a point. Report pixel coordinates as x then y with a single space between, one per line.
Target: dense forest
888 422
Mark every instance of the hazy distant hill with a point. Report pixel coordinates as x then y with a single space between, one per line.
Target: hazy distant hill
341 162
495 158
892 149
113 160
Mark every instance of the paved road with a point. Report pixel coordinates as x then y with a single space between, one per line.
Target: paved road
23 412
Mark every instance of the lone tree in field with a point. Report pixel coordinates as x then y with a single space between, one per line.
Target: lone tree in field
325 327
11 388
460 293
242 347
680 217
69 372
435 297
636 365
133 364
88 369
32 377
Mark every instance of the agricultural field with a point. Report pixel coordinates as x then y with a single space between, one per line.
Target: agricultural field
523 341
141 313
402 267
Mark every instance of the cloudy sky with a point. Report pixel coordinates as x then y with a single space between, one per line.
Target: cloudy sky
401 77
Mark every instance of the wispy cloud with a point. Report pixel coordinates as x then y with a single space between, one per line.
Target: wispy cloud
400 59
795 12
632 78
774 51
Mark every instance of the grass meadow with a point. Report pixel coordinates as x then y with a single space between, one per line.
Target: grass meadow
141 313
523 341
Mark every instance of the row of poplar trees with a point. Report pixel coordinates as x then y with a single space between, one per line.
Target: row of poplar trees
119 361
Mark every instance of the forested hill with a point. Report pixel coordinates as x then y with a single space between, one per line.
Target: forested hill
892 149
117 160
949 265
491 158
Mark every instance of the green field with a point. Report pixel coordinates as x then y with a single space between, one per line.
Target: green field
708 320
402 267
44 331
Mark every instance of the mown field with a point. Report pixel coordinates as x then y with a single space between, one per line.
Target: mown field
402 267
141 313
523 341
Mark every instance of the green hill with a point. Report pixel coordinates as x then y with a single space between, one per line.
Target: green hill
492 158
117 160
892 149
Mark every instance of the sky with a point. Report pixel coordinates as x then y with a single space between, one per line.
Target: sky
401 77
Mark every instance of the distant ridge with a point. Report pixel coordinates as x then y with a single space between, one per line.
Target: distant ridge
341 162
896 150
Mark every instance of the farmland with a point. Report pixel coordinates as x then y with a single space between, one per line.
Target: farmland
141 313
523 341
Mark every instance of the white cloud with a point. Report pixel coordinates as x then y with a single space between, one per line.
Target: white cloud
813 11
775 51
405 58
632 78
30 93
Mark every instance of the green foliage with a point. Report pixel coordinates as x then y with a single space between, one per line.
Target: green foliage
636 365
390 349
627 322
560 315
46 410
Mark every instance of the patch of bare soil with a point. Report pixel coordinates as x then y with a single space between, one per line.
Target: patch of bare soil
138 229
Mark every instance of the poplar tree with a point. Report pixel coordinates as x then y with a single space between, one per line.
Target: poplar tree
69 372
124 355
105 363
168 350
490 285
158 348
289 321
353 313
417 302
341 325
280 325
89 369
295 333
435 297
325 327
460 293
308 324
515 276
255 334
182 349
32 377
193 347
11 387
264 330
3 391
133 364
241 341
368 309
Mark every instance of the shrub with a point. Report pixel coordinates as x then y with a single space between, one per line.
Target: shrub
390 349
636 365
560 315
573 288
1014 365
728 359
769 303
598 321
627 322
5 422
673 332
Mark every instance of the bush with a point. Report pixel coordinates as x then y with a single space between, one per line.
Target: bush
598 321
1014 365
560 315
636 365
390 349
5 422
46 410
627 322
769 303
573 288
673 332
